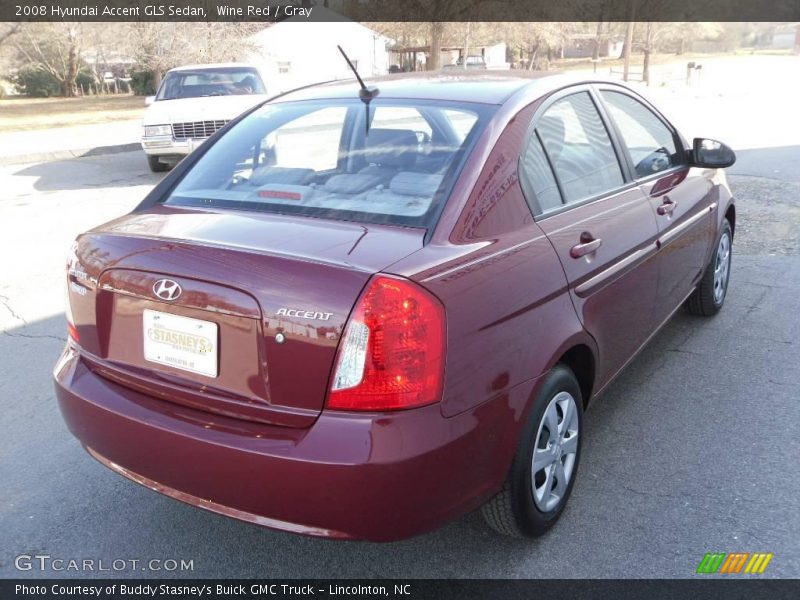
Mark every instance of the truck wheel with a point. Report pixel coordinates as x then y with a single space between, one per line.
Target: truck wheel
156 166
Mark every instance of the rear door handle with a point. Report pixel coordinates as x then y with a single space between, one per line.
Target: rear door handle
667 207
588 245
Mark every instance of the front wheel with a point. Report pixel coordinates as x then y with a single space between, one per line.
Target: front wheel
544 468
156 166
709 296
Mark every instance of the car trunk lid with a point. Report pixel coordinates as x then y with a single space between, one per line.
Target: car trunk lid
244 278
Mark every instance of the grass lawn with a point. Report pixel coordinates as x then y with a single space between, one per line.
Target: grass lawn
637 60
23 114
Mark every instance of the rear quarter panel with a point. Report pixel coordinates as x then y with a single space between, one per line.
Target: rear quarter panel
509 315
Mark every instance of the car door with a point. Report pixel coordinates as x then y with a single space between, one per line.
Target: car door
679 196
601 226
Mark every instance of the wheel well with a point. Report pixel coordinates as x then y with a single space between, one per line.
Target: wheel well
580 360
730 214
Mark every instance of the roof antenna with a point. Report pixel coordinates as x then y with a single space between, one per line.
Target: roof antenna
365 94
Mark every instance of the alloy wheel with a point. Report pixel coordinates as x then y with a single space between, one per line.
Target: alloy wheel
722 267
555 452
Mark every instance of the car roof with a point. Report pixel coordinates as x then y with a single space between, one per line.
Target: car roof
485 87
231 65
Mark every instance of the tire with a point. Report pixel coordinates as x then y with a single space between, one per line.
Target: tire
521 510
156 166
709 296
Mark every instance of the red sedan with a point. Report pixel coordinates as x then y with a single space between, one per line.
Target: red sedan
361 317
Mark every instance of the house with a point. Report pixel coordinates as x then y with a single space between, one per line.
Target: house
785 37
298 52
582 45
414 58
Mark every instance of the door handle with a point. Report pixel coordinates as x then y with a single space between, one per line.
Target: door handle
588 245
667 207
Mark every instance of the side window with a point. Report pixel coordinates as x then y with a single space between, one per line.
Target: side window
309 141
579 148
461 121
402 117
539 184
649 141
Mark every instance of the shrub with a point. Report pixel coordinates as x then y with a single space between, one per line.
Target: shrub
36 83
142 83
85 79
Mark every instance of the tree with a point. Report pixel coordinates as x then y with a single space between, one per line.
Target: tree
160 46
435 57
433 14
659 35
54 48
7 30
535 43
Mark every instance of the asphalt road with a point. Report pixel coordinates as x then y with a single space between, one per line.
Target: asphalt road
693 449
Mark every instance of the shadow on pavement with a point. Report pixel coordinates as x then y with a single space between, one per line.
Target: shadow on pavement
116 170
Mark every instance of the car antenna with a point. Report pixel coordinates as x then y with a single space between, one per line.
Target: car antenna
365 94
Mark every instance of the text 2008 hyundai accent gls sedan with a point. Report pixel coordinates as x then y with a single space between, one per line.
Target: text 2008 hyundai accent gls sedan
361 317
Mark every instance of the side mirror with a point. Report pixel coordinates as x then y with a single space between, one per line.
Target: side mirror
149 100
711 154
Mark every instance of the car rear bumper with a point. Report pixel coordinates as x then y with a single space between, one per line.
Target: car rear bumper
379 477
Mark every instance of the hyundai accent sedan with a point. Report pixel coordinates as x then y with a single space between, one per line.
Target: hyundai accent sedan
362 316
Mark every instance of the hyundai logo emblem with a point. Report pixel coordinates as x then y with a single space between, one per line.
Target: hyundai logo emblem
167 289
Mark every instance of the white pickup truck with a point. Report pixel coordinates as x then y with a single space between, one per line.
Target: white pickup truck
192 103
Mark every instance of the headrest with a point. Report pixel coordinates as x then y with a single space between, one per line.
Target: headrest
391 147
422 185
288 175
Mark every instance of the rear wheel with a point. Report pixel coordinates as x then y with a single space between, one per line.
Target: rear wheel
709 296
544 468
156 166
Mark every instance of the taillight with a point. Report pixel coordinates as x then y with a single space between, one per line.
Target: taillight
392 353
72 263
73 332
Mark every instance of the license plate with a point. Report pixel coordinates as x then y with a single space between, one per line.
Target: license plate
181 342
195 144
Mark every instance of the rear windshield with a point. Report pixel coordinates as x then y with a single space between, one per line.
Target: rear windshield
317 159
223 81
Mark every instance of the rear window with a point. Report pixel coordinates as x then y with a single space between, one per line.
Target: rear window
218 81
316 158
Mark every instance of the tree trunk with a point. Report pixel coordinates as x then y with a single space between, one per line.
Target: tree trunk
597 41
156 78
466 45
435 57
626 51
532 62
71 74
648 49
